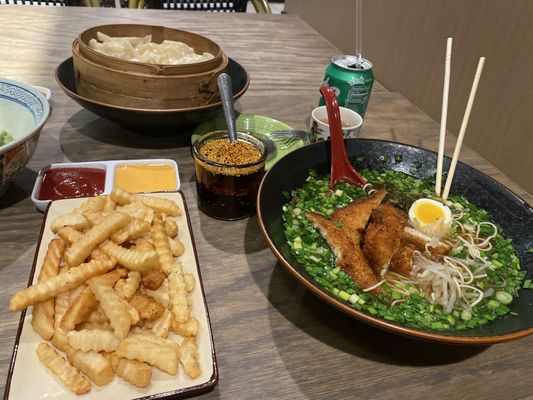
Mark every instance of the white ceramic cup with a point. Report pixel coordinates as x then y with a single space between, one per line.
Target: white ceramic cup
319 130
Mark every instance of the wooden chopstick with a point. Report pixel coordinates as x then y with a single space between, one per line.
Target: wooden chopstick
462 131
443 115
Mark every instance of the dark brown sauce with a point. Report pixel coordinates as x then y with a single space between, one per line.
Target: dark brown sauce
227 196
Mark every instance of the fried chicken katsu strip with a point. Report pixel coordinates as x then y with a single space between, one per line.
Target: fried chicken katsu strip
349 256
383 235
402 261
354 217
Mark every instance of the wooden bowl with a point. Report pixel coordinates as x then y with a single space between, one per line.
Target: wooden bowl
199 43
152 122
136 90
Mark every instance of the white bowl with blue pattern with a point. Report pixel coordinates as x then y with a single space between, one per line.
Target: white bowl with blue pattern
23 113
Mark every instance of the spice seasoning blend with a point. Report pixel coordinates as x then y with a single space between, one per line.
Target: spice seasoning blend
228 174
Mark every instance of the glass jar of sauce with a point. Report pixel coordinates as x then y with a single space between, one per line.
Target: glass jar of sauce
228 174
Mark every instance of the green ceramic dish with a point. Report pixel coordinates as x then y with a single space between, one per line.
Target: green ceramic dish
254 124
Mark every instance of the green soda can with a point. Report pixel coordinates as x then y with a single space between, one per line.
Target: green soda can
351 84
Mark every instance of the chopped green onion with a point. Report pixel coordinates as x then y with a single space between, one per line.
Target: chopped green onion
466 315
504 297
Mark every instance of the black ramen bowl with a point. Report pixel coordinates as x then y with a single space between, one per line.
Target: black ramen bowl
514 216
166 121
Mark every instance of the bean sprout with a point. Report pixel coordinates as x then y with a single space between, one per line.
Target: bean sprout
450 281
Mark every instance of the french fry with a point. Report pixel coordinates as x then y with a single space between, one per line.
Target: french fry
69 234
147 308
189 358
171 227
148 337
65 280
144 244
159 205
176 247
43 313
159 355
126 288
190 283
113 306
136 209
160 295
162 246
73 294
153 277
104 326
96 203
188 328
134 230
120 196
135 372
94 365
178 296
109 205
163 324
131 259
79 250
61 304
73 219
93 217
132 311
79 310
98 316
76 218
62 368
112 277
93 340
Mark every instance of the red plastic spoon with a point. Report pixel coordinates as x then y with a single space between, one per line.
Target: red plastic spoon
341 168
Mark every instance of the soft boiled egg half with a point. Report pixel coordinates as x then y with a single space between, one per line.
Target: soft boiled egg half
430 217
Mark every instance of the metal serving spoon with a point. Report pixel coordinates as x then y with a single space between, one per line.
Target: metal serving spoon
226 96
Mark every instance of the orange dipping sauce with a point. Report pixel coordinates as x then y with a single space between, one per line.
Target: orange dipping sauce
64 183
136 178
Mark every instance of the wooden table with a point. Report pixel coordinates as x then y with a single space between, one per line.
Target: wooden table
273 339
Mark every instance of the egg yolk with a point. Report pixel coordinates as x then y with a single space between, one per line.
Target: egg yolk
428 213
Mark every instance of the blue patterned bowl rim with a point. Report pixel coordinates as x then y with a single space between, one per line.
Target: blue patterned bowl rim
29 98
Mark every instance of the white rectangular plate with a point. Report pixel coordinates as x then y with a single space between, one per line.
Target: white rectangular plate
29 379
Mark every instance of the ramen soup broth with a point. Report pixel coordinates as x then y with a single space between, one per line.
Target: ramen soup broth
492 283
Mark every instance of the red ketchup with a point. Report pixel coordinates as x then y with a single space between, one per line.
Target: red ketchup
63 183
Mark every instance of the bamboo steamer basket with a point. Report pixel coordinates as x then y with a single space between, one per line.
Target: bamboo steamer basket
199 43
146 86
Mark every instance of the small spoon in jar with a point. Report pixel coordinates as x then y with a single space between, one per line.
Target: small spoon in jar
226 96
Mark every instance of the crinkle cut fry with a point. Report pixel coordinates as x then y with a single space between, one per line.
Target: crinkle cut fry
79 310
160 204
81 249
132 259
135 372
43 313
189 357
153 353
65 280
62 368
162 246
114 308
